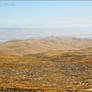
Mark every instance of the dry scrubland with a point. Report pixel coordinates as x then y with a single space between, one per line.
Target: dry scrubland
55 69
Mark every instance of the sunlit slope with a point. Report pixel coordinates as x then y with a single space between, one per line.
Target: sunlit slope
64 69
33 46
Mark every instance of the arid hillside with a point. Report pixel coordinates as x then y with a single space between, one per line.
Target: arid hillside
33 46
48 63
55 69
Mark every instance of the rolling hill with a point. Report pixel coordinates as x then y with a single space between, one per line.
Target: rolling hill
33 46
55 69
48 63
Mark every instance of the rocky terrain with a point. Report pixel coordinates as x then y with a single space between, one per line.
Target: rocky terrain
52 68
56 69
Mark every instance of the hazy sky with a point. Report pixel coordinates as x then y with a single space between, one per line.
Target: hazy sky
45 14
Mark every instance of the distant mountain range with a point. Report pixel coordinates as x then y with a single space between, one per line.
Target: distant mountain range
41 45
26 33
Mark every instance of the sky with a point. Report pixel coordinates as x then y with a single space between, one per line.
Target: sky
21 20
32 14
